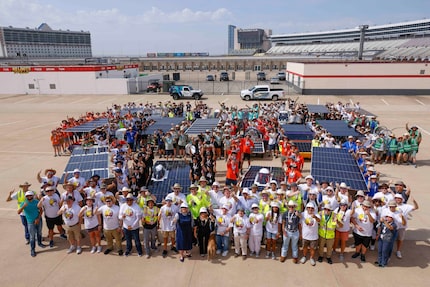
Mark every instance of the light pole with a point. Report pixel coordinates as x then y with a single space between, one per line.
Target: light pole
363 29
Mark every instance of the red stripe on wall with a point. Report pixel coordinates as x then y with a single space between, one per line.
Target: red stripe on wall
24 69
358 76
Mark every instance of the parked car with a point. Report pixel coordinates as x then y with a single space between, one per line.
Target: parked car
210 78
262 92
274 81
153 86
184 91
281 76
223 77
261 76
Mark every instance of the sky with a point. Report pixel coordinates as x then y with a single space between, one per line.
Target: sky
137 27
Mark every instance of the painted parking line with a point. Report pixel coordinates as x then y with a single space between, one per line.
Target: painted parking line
385 102
419 102
352 103
423 130
10 123
25 100
107 101
78 101
25 152
41 126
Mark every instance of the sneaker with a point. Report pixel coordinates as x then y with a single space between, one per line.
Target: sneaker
267 254
341 257
33 253
41 245
93 250
320 259
164 253
224 253
329 261
140 255
51 243
252 253
148 256
282 259
181 259
218 252
236 255
71 249
399 254
355 255
303 260
273 256
27 242
99 249
63 235
107 251
174 249
372 247
257 254
313 263
120 252
127 253
79 250
243 257
202 255
363 258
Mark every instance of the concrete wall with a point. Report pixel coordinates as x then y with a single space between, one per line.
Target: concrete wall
360 78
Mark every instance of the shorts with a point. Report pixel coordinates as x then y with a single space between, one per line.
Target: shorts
74 232
51 222
229 181
247 156
313 244
391 153
413 153
401 234
342 235
361 240
167 234
270 235
377 153
181 147
95 228
169 151
273 146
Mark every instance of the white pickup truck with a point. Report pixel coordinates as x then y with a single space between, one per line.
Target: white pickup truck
262 92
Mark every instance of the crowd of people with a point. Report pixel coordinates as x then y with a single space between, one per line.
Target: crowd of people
319 216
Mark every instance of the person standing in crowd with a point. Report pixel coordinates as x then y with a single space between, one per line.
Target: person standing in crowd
150 226
290 231
111 224
130 214
405 209
247 146
342 229
223 227
92 223
33 215
386 235
326 232
19 196
241 231
309 224
50 203
70 212
362 221
256 220
165 221
49 179
273 227
184 231
204 225
232 170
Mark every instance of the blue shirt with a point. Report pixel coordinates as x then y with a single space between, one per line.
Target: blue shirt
31 210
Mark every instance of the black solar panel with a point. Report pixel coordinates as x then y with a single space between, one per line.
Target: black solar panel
338 128
298 132
164 124
88 126
277 173
201 125
303 146
318 109
90 161
258 147
178 172
336 165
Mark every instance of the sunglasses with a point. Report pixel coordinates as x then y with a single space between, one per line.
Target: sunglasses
108 201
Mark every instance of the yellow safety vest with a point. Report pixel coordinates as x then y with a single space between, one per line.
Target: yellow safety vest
151 216
20 197
327 227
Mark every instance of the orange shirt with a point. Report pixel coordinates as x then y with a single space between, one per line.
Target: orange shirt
232 170
293 175
247 145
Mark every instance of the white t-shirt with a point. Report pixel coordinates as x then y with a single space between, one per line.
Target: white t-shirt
330 200
51 205
130 215
90 216
386 196
78 183
53 181
91 191
272 224
100 197
240 224
222 222
363 220
345 218
309 226
167 214
110 216
230 202
396 218
405 209
177 198
256 221
71 214
76 195
215 197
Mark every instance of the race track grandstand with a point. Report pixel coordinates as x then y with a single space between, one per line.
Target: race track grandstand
401 41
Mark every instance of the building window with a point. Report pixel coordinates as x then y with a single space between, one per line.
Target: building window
52 86
31 86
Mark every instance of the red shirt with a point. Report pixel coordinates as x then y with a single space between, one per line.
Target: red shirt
247 145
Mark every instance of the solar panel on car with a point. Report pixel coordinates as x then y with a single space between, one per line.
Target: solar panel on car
178 172
298 132
201 125
318 109
88 126
338 128
336 165
277 173
164 124
258 147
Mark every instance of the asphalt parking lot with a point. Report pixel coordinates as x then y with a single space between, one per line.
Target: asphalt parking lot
25 149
